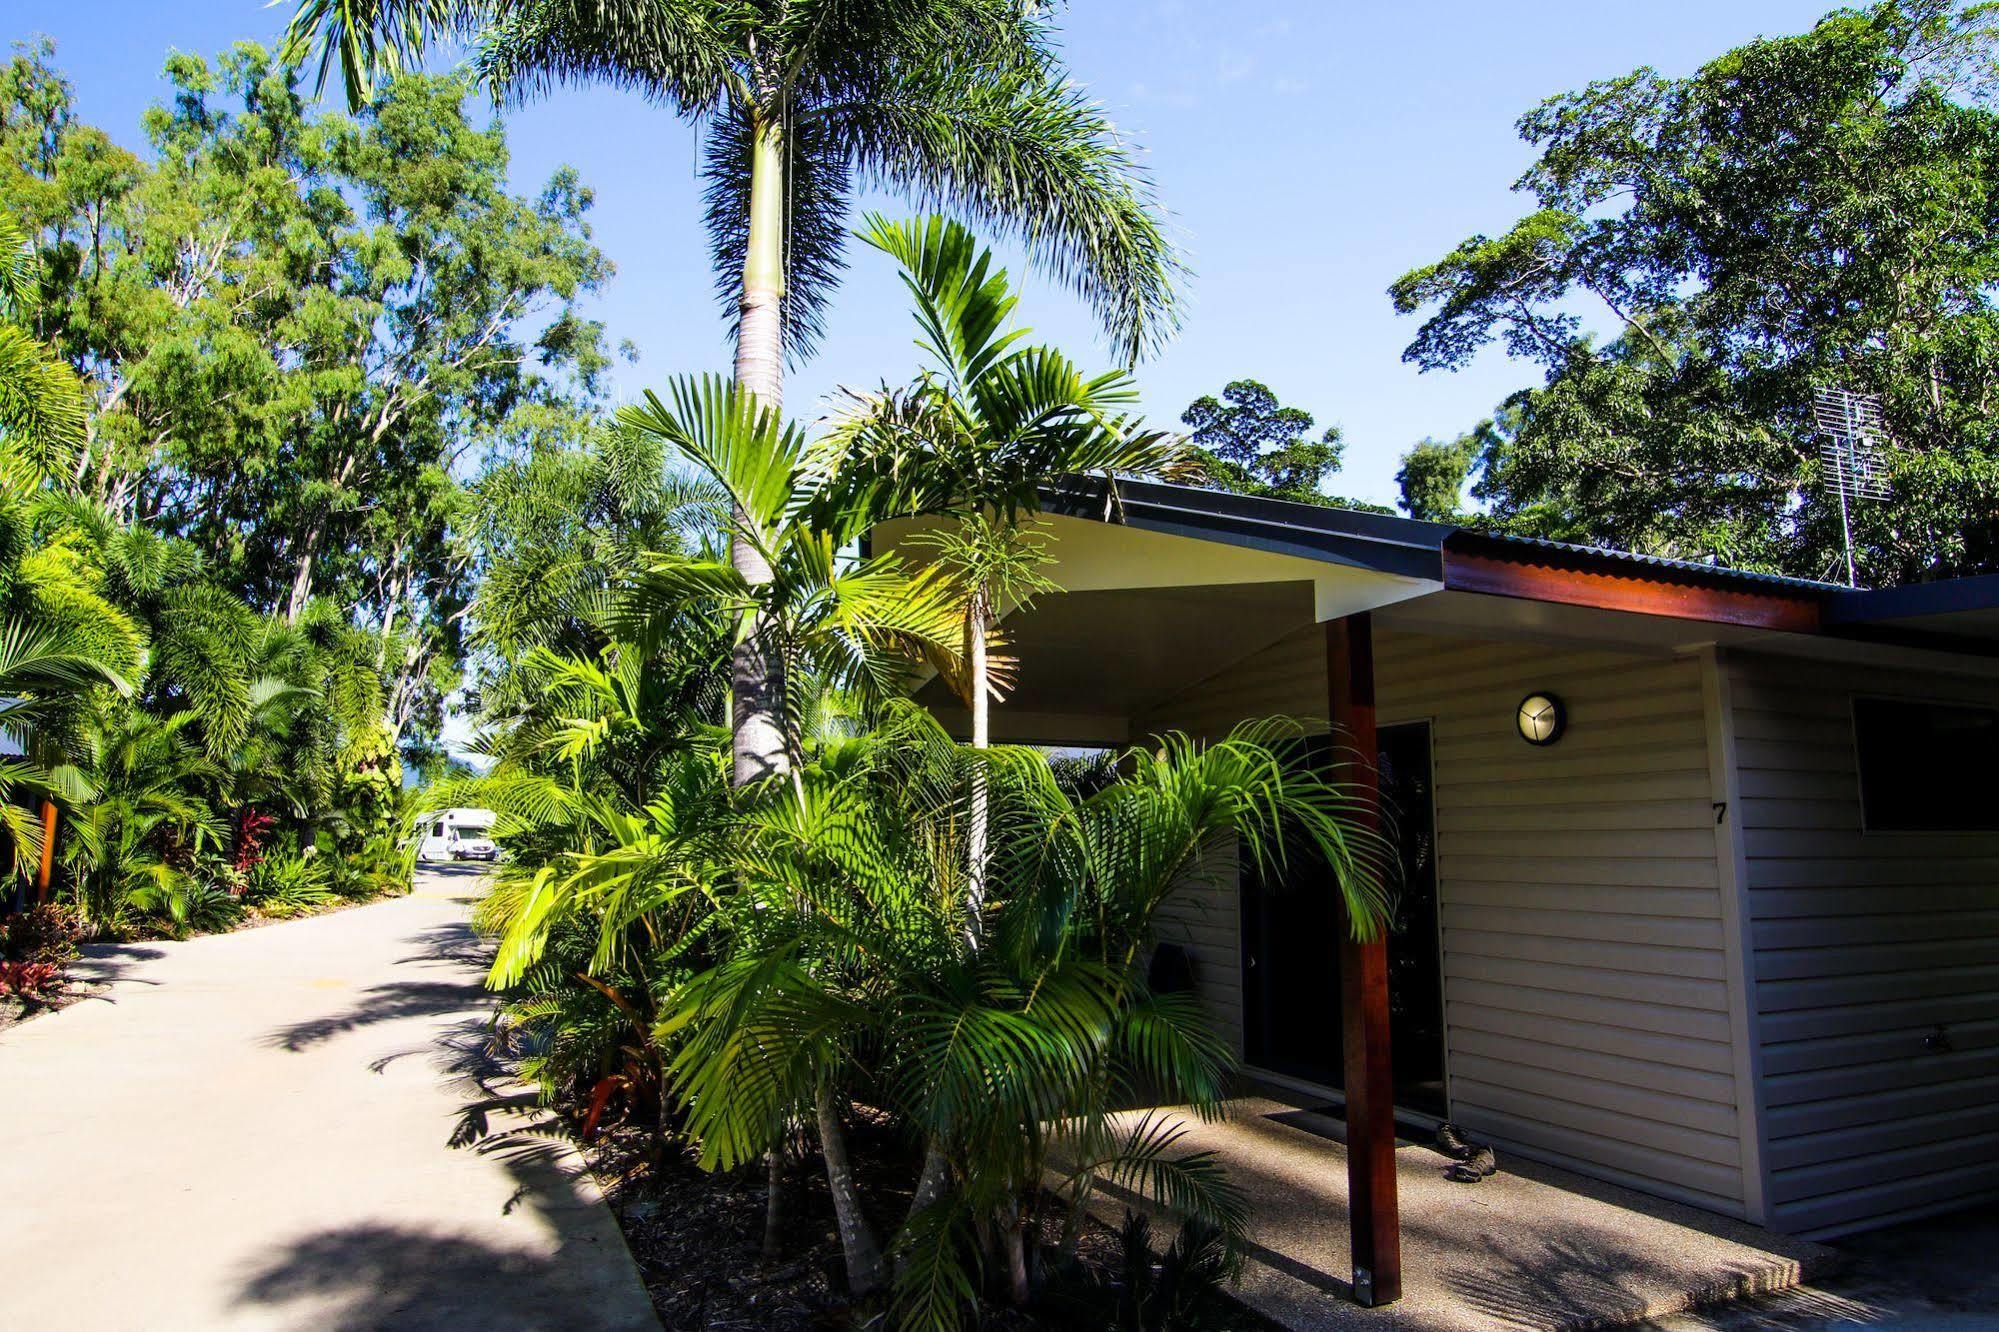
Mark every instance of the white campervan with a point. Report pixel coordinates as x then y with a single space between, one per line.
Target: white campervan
459 834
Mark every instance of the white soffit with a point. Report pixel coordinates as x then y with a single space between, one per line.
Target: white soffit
1085 555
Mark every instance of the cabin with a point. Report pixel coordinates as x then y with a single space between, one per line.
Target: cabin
1700 867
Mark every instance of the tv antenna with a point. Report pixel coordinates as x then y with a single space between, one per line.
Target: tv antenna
1853 439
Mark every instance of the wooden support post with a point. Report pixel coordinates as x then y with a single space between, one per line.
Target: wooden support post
45 873
1370 1076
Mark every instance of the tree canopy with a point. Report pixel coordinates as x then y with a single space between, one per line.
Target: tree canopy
299 330
1802 213
1257 446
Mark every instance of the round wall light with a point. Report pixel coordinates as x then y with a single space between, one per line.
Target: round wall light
1541 718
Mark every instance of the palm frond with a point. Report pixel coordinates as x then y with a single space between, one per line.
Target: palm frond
817 191
1025 154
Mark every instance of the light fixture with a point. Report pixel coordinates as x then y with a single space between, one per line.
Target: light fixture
1541 718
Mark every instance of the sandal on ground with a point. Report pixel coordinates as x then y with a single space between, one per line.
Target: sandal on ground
1464 1174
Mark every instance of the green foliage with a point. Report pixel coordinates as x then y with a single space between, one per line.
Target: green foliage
1805 212
180 904
1434 474
985 425
287 884
295 327
832 623
1255 446
41 403
961 101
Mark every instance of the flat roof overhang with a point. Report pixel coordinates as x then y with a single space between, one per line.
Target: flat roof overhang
1159 599
1164 586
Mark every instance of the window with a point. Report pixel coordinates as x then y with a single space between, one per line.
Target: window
437 831
1927 767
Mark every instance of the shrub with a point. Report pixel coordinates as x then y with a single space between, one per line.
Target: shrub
288 884
182 905
44 935
27 979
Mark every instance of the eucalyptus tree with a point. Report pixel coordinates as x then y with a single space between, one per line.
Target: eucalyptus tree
803 103
293 336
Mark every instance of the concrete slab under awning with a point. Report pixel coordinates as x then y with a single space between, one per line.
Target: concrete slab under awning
1531 1247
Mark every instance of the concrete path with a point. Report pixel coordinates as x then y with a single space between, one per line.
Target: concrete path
1531 1247
251 1131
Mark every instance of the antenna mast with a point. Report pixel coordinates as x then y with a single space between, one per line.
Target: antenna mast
1850 455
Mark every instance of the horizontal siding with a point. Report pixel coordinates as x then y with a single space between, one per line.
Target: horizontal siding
1585 998
1203 917
1863 945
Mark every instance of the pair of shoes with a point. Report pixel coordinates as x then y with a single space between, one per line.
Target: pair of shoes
1475 1160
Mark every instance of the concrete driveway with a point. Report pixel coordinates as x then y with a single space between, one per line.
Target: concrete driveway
252 1131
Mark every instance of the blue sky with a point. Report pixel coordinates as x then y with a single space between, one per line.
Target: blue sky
1309 153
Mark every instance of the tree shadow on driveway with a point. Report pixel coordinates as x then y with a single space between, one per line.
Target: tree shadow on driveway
392 1001
379 1275
375 1278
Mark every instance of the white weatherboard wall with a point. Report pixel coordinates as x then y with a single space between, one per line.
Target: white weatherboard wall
1585 956
1863 944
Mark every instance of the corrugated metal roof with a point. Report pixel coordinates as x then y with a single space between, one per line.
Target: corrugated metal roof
1660 563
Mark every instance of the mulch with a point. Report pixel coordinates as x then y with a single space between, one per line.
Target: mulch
697 1239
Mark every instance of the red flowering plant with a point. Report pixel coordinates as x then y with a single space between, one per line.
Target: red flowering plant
250 832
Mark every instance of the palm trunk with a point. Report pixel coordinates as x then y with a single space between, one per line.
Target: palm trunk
773 1203
1015 1240
756 676
45 872
931 1185
865 1272
934 1181
981 701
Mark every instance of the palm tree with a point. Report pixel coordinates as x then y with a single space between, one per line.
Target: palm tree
41 402
143 808
804 102
827 623
40 684
976 436
850 967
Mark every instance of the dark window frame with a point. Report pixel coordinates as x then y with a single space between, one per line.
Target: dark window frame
1871 822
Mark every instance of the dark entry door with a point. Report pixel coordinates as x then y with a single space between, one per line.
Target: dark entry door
1290 941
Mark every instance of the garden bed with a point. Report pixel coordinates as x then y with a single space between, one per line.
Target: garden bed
697 1238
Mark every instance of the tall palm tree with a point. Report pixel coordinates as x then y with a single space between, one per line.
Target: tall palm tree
975 437
803 102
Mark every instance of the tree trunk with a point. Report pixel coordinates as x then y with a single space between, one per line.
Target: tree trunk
1015 1239
865 1272
45 871
934 1181
756 673
773 1203
981 705
301 590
